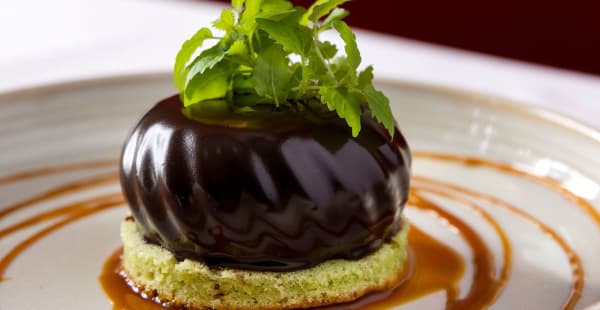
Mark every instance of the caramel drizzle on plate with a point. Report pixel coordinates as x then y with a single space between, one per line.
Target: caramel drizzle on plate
577 271
469 161
36 173
432 265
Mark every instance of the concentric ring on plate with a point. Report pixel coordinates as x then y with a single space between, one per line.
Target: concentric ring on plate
431 190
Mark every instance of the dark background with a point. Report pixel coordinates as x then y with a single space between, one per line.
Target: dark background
563 34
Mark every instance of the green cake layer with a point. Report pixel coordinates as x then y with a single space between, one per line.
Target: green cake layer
192 284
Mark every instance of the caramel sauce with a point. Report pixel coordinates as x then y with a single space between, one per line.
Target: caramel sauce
83 210
486 286
69 209
583 204
22 176
432 266
498 281
57 192
119 292
577 270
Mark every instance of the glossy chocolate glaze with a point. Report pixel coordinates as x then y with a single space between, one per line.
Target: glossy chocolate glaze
264 191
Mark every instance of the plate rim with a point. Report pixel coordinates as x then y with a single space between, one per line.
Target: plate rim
463 95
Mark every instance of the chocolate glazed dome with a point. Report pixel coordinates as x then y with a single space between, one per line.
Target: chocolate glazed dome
263 192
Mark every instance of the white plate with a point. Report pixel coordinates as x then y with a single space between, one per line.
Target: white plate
87 121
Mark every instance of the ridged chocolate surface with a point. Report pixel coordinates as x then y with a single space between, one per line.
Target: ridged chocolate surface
263 192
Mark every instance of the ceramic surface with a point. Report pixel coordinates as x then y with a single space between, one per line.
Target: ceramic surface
88 121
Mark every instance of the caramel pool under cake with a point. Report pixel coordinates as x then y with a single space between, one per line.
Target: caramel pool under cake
265 210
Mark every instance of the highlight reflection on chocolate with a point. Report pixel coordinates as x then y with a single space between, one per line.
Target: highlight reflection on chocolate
266 191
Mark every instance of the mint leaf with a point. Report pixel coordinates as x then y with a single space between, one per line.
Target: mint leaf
319 9
243 84
237 4
365 77
315 70
379 105
263 41
211 84
237 48
248 16
336 15
207 59
271 54
188 49
350 46
272 8
345 104
226 21
327 49
287 32
296 82
272 74
343 71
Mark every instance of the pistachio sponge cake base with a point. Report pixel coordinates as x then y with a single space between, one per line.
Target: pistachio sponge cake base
192 284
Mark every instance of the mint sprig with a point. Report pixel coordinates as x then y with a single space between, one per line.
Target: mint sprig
269 52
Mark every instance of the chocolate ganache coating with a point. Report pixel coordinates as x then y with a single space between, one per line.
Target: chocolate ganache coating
273 191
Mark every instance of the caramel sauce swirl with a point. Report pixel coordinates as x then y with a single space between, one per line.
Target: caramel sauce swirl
432 266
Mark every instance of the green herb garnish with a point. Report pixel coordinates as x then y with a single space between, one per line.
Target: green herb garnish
269 52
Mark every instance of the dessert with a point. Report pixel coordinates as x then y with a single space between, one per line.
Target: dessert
226 195
268 182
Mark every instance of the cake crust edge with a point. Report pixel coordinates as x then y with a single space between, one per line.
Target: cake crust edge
155 271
